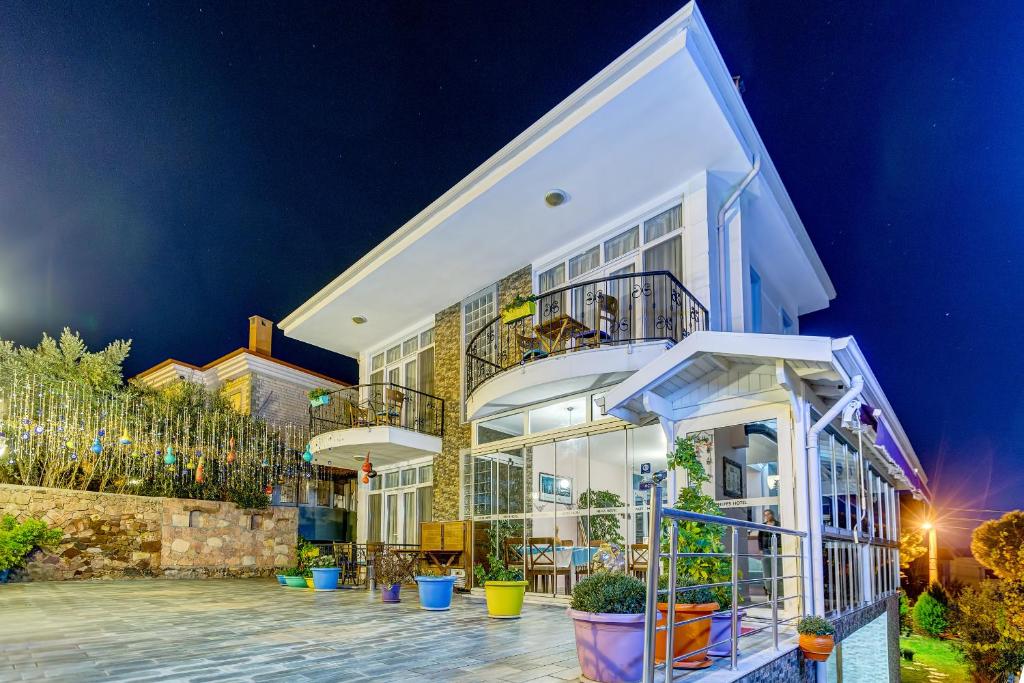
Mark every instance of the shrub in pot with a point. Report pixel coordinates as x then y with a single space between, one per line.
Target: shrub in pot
817 637
319 397
608 618
17 541
503 586
388 573
325 573
687 639
293 578
435 590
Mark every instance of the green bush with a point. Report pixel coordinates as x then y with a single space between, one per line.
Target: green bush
815 626
248 494
323 562
17 541
906 615
987 636
908 654
610 593
930 615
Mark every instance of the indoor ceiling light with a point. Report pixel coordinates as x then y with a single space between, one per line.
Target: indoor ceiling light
359 319
556 197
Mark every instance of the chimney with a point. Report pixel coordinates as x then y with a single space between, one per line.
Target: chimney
261 333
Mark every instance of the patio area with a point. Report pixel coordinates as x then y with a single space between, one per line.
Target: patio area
256 630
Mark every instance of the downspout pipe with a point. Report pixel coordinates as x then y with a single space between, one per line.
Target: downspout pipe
730 201
813 465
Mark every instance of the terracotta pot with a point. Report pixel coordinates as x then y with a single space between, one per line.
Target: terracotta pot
610 647
817 648
688 637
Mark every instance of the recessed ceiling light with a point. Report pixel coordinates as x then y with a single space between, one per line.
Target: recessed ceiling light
359 319
556 197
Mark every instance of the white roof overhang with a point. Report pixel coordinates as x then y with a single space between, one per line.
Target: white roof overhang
652 120
825 365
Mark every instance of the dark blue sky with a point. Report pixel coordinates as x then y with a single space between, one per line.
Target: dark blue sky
167 169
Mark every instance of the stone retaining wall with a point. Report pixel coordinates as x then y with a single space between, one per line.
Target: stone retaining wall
110 535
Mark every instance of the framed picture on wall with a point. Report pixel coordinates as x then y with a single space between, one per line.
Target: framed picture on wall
732 478
552 489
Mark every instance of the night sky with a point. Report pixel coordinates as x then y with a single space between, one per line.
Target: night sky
168 169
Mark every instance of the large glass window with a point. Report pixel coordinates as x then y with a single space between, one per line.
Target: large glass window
505 427
664 223
558 415
622 244
585 262
400 499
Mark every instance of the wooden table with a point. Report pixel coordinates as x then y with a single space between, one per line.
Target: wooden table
410 557
554 332
441 560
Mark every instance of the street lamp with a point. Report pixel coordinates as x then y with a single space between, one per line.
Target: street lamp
933 552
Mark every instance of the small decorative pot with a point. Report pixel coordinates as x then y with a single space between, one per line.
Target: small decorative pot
505 598
610 647
721 633
326 578
309 581
295 582
817 648
281 580
510 315
687 638
436 592
390 593
319 401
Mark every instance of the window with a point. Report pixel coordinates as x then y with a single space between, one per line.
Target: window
667 255
373 517
551 278
390 480
477 311
499 428
755 301
664 223
558 415
394 353
410 346
378 362
585 262
195 519
408 476
426 474
427 338
622 244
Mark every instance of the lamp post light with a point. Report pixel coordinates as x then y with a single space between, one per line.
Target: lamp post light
933 552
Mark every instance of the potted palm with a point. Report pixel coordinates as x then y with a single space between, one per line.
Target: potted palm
817 637
325 573
388 573
708 567
519 308
319 397
504 587
607 611
435 590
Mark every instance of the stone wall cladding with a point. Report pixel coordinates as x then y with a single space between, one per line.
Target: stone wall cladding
448 373
110 535
791 667
853 621
279 401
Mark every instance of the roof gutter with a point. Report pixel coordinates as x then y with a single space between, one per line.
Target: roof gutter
725 316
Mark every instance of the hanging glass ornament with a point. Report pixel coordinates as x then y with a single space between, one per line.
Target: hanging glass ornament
102 432
39 429
169 458
96 447
125 439
69 444
73 456
269 490
199 472
24 436
265 463
307 455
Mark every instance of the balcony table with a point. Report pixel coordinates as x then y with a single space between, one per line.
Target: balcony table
555 331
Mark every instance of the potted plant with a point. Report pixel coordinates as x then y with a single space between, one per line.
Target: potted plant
388 572
293 578
17 541
281 580
817 637
435 590
519 308
721 624
709 567
325 573
607 611
319 397
504 587
604 527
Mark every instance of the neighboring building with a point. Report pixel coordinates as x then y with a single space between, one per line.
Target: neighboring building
669 271
277 391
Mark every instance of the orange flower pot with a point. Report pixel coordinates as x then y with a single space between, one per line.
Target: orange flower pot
817 648
687 637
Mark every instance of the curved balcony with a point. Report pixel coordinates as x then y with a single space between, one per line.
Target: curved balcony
389 421
577 337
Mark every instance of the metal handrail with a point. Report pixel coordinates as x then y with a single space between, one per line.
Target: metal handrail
670 517
617 309
376 404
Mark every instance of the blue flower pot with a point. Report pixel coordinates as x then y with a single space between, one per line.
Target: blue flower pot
436 592
390 593
326 579
4 575
280 579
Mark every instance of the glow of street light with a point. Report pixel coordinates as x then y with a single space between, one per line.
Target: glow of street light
926 526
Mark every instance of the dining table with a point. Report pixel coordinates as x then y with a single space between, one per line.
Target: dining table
556 331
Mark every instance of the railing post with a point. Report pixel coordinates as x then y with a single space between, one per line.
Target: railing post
653 565
775 591
734 641
670 613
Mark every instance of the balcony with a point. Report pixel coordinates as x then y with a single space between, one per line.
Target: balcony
390 422
576 338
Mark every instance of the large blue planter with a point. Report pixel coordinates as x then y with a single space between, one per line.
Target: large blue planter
326 579
4 575
436 592
280 580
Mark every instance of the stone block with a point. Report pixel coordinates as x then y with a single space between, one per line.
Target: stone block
180 545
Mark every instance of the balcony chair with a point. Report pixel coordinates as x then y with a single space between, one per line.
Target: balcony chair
530 347
390 412
357 417
607 314
541 560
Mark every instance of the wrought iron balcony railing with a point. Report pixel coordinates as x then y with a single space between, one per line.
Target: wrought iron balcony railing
617 309
379 404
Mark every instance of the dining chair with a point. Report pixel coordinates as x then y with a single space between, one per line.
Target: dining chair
530 347
394 400
541 560
513 552
638 559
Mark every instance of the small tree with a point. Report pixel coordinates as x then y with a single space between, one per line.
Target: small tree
911 547
931 613
999 545
987 638
67 359
603 526
906 615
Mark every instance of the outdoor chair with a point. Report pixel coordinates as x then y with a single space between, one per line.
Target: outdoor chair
541 559
638 559
530 347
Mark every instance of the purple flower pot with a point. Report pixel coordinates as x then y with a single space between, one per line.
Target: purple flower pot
610 647
390 593
721 633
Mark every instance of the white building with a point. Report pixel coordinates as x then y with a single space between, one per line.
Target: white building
669 270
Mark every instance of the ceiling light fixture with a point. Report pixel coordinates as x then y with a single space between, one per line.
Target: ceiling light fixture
359 319
556 198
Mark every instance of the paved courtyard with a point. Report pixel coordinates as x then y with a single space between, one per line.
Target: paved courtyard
256 630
